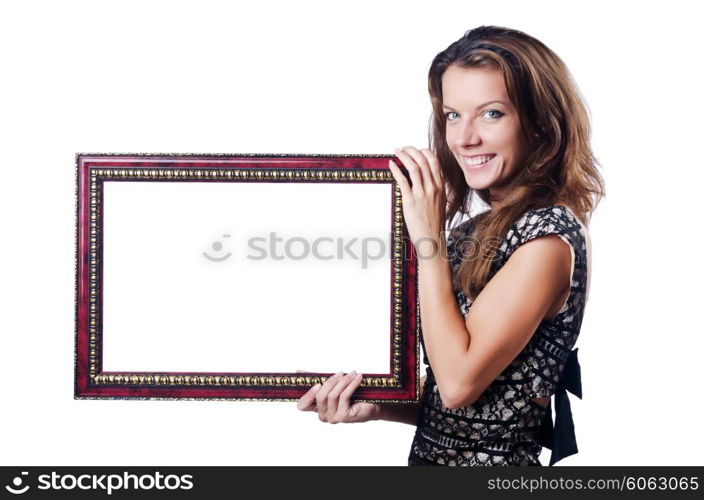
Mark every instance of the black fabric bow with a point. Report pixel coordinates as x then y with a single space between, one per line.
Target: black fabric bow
561 439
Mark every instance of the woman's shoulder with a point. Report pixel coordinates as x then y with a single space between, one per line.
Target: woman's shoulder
556 219
551 218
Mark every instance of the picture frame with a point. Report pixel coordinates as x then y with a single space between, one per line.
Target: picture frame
159 317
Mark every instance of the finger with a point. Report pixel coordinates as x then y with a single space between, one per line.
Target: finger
321 397
341 407
307 401
435 168
413 170
401 179
333 399
426 177
346 394
357 408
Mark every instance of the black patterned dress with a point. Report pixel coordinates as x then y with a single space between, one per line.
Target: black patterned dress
504 426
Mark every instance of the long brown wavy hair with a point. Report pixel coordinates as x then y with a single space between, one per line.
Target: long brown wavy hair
559 165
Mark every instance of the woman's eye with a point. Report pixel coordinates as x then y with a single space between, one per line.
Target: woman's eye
497 113
447 115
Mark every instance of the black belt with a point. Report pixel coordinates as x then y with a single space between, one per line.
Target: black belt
561 439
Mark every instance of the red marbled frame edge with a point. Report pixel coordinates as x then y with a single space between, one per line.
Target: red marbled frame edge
85 386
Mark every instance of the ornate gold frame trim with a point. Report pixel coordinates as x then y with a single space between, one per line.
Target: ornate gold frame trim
98 175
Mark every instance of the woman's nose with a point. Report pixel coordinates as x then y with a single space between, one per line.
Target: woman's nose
466 135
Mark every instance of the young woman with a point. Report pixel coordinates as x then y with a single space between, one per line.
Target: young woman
502 297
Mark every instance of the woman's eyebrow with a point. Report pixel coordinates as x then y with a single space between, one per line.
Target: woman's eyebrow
480 106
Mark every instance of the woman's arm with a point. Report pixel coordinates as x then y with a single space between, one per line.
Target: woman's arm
405 413
468 354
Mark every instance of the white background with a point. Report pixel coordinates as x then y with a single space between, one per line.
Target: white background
251 311
330 77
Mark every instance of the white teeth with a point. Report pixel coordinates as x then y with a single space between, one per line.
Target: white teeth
478 160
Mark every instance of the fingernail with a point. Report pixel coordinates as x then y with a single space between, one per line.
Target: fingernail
353 373
316 387
359 375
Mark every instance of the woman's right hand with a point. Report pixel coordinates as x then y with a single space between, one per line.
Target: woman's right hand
331 401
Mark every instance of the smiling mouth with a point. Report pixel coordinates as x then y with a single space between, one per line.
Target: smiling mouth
476 163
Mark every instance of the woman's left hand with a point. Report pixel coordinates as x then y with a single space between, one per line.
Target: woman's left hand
424 202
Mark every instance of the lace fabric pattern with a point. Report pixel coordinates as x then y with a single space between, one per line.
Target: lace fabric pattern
501 427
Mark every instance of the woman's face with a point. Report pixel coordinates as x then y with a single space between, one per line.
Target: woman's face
483 130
